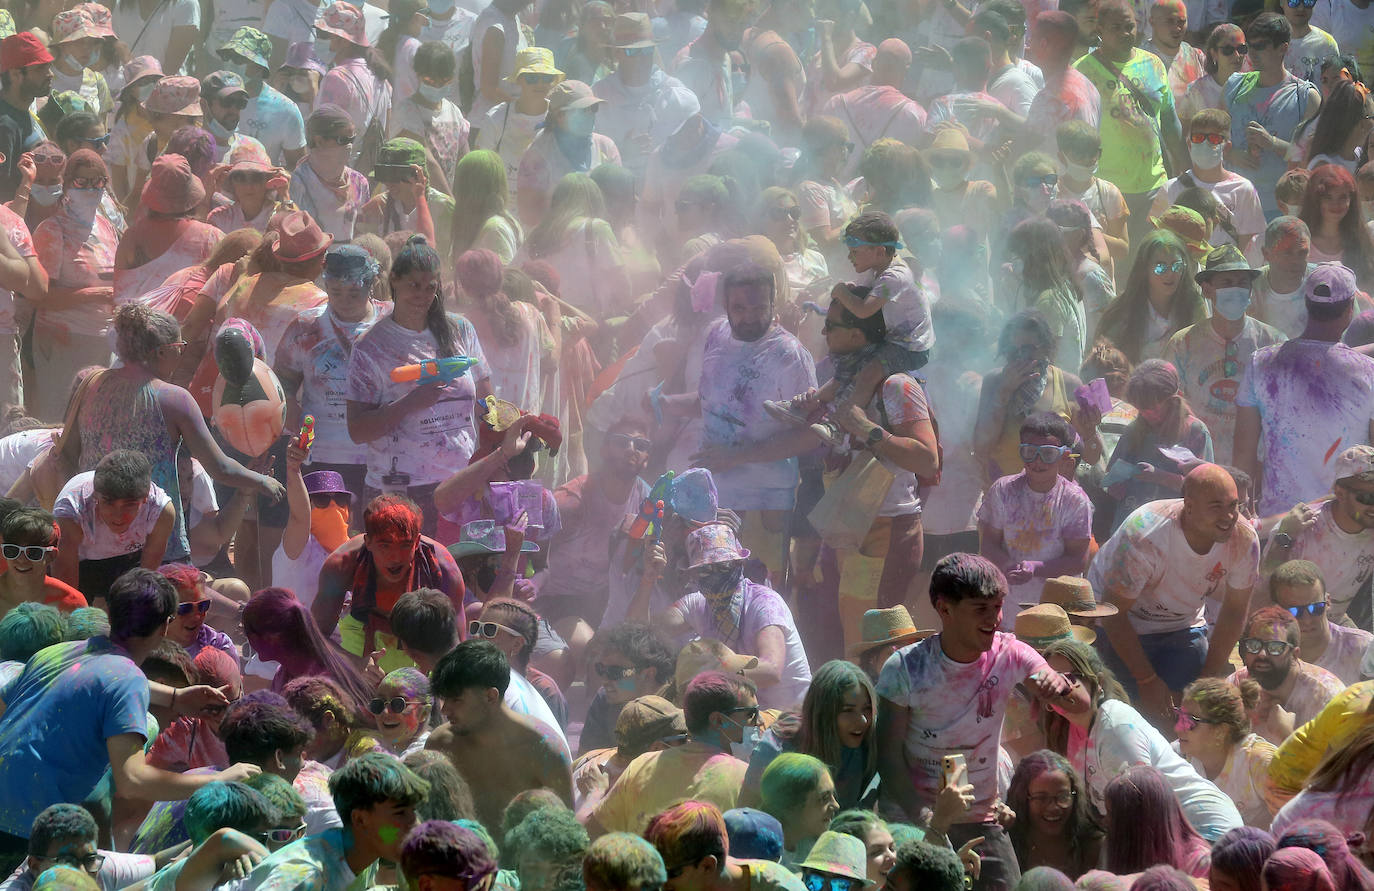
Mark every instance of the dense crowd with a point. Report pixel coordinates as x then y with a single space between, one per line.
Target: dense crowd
686 445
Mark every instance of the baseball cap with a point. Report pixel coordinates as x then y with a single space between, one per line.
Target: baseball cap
222 85
22 50
1354 461
753 834
645 720
1330 283
572 94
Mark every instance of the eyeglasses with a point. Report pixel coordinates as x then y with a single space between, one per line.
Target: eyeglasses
537 78
1048 179
1188 721
282 836
778 213
488 630
639 443
32 553
90 182
1308 609
199 606
1238 50
677 739
613 672
632 51
827 326
947 161
1061 799
49 159
91 863
1166 268
1046 454
396 705
1254 646
751 716
98 141
820 881
341 140
322 500
1365 498
1213 138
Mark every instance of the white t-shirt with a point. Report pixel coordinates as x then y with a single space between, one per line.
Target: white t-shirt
1345 653
1346 560
1121 739
275 121
1014 88
119 870
301 575
1244 778
508 133
76 502
291 20
149 37
1235 193
906 311
523 699
956 707
509 25
1286 311
18 450
1315 400
231 15
1149 563
1035 525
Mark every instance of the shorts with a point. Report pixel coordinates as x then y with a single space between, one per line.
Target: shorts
272 514
937 546
94 577
550 641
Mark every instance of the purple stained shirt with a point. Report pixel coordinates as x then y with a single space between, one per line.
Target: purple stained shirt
209 637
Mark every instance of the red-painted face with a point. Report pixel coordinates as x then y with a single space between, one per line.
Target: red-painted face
392 556
117 513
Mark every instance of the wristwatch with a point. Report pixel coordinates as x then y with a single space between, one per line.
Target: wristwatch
876 435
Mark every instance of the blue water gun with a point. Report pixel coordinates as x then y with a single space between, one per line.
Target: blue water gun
447 369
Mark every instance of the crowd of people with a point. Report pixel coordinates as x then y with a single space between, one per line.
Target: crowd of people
686 445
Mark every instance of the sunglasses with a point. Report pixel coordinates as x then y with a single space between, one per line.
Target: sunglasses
488 630
322 500
341 140
1308 609
1046 454
282 836
32 553
639 443
1294 4
98 141
1166 268
90 182
613 672
1254 646
200 606
537 78
1365 498
1238 50
1213 138
397 705
751 714
250 177
778 213
50 159
1187 721
819 881
1048 179
632 51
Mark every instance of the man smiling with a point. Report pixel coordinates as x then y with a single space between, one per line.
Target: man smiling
1292 691
30 539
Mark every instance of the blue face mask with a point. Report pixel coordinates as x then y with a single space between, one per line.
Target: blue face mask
432 93
323 52
442 7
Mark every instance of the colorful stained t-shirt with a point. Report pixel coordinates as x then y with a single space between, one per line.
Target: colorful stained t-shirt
1279 109
76 253
736 377
1307 53
760 607
12 225
1345 654
1352 25
655 780
956 707
1209 368
1120 739
580 555
270 303
275 121
1243 778
1149 563
428 445
1346 559
1315 400
1035 525
77 503
334 208
316 348
1131 118
1071 98
1313 688
873 112
442 128
70 698
315 863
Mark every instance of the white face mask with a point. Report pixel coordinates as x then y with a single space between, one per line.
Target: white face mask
1077 172
84 202
45 196
1232 302
745 747
432 93
323 51
1205 156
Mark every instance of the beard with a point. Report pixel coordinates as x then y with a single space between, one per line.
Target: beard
1271 676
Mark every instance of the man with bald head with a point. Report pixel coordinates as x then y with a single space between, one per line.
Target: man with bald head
879 109
1162 564
1185 63
1067 95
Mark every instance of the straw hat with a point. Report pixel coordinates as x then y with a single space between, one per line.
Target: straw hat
838 855
1075 595
1047 623
881 627
705 654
